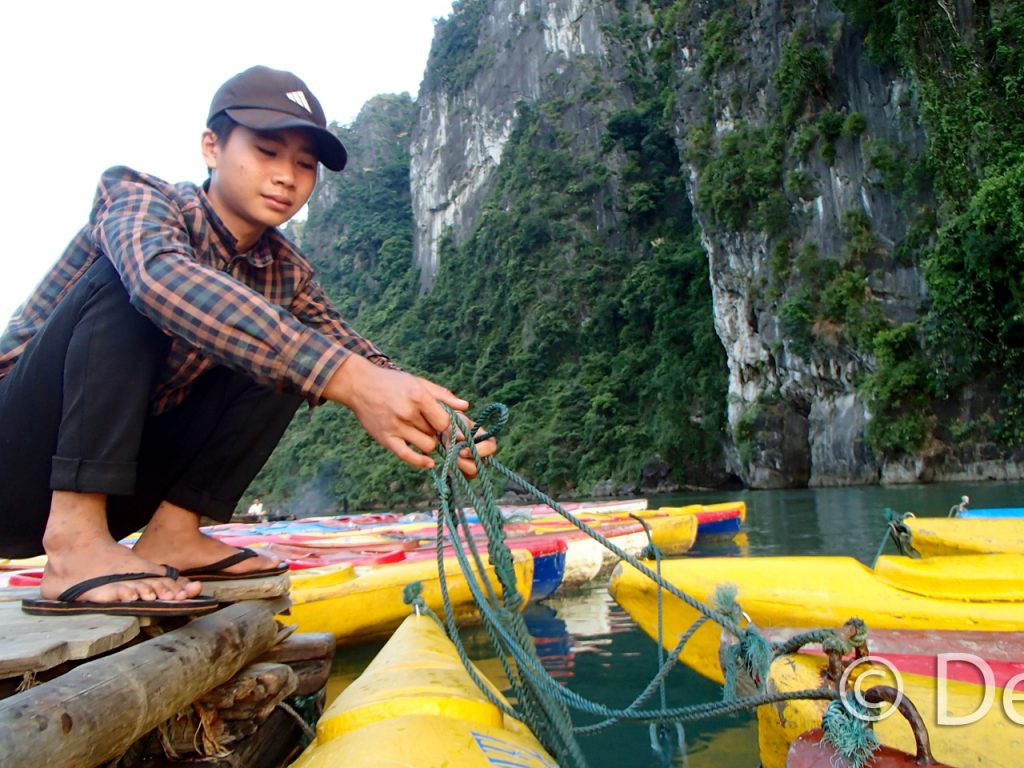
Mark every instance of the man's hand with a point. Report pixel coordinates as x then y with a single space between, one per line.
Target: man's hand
400 411
466 463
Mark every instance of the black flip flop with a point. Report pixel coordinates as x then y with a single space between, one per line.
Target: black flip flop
66 605
217 571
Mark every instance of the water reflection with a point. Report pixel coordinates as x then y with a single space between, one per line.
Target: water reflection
590 644
568 625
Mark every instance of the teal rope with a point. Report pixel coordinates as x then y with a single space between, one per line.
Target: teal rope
543 704
697 605
849 735
544 713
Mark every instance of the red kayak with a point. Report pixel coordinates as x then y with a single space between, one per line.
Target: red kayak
811 750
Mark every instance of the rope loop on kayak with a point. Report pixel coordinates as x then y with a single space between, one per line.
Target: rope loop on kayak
412 594
896 531
541 701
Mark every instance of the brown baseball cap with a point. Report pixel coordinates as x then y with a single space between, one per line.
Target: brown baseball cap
265 99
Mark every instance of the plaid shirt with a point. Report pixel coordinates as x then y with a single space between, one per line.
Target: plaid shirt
260 312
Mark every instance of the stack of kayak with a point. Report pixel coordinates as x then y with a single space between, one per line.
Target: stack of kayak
564 556
361 567
348 573
955 595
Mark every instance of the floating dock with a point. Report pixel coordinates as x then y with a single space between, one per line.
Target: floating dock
227 687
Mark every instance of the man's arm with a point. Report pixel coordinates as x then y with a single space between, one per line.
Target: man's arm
143 234
314 308
400 411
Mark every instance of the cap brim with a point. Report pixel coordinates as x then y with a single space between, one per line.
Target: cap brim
331 152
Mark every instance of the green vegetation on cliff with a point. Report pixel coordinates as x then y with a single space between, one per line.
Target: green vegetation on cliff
600 342
960 196
970 77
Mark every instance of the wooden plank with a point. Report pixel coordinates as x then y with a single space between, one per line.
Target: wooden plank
302 647
96 711
17 594
247 589
36 643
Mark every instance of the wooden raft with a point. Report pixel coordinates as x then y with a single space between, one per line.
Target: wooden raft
94 712
31 644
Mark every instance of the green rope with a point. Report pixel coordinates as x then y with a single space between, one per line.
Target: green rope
502 619
850 735
541 702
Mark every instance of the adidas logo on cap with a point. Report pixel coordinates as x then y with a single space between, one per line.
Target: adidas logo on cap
299 98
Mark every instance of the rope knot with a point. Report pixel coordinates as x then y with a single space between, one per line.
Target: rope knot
650 552
858 632
836 642
850 735
412 594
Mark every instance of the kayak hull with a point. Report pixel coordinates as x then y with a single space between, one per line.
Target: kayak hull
808 592
356 607
416 706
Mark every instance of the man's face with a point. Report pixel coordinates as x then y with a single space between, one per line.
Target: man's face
260 179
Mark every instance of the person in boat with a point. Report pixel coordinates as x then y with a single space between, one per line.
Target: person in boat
154 369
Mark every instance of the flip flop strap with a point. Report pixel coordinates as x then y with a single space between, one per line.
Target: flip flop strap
69 594
244 553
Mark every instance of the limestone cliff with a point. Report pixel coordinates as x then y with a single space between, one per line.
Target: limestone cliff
486 60
794 404
807 165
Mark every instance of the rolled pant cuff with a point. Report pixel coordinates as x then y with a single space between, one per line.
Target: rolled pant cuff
202 503
85 476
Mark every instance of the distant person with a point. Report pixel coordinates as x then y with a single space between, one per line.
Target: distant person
256 509
956 509
152 372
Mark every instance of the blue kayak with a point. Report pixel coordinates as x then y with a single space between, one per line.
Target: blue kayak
989 512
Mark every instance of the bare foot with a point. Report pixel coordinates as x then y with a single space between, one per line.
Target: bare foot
79 547
86 561
173 537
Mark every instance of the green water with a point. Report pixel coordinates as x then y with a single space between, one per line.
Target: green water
589 644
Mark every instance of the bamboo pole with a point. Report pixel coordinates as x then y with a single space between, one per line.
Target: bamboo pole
96 711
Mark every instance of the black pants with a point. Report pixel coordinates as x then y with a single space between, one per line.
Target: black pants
74 417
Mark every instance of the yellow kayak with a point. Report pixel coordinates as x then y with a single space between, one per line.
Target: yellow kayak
355 607
714 521
933 536
673 534
415 706
711 520
979 592
972 734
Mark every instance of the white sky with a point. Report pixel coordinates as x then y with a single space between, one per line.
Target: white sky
88 85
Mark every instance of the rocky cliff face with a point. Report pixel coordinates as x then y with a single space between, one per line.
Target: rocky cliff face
804 414
517 50
800 151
